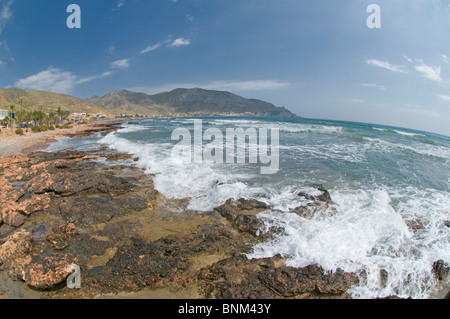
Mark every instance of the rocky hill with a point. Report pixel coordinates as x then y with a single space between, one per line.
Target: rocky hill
179 102
46 101
189 102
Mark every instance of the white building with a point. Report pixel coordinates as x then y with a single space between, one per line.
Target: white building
3 114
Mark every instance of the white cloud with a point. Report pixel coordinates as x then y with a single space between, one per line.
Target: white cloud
445 98
375 86
189 18
430 72
151 48
386 65
121 64
257 85
5 14
111 50
94 77
179 42
53 80
445 58
120 3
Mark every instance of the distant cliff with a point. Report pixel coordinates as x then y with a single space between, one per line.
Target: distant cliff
189 102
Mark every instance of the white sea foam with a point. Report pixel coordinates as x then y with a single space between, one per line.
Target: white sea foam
407 133
397 131
130 128
368 234
354 153
425 149
207 184
282 126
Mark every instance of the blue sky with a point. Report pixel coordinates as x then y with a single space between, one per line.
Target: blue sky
316 57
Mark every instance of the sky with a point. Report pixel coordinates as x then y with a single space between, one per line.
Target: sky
318 58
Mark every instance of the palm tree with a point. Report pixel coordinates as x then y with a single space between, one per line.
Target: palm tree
59 113
20 116
12 109
7 120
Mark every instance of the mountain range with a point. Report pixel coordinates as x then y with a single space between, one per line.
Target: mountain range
179 102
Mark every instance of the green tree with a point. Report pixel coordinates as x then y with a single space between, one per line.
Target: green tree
7 120
38 117
21 117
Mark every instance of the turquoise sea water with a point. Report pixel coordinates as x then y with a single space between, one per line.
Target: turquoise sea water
390 187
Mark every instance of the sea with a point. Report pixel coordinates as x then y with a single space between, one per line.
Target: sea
390 191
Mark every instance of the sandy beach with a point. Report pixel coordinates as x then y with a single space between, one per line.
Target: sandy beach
12 144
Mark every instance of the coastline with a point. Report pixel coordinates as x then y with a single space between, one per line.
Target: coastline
12 144
65 208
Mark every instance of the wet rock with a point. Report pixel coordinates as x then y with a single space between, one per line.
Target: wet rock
15 246
392 297
83 211
249 223
13 217
43 271
6 230
135 203
41 157
136 266
240 278
57 241
61 232
85 246
415 224
323 195
68 184
316 209
440 269
35 204
249 204
118 157
383 277
231 209
120 232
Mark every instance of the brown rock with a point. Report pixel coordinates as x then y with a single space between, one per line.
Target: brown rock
12 217
231 209
15 246
42 270
324 195
316 209
239 277
440 269
249 223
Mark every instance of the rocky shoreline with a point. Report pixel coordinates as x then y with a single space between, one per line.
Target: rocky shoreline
64 208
